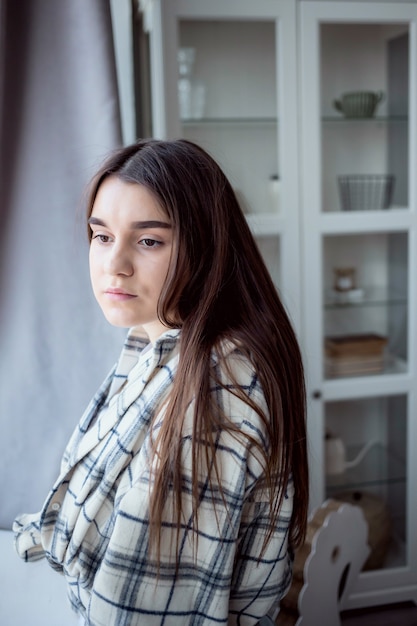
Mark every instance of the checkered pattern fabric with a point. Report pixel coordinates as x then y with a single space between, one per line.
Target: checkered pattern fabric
94 525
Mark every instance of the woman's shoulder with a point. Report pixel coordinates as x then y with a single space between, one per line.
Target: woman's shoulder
232 361
237 380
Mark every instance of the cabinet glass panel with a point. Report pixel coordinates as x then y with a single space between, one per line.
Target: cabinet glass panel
228 105
365 304
364 107
366 464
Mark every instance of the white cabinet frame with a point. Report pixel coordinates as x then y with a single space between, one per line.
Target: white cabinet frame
385 585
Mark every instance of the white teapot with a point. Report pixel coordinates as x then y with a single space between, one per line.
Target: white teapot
335 455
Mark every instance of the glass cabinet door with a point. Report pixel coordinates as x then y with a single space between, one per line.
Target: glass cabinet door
228 104
229 84
364 104
359 216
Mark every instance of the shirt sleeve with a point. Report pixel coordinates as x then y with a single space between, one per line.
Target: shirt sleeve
27 537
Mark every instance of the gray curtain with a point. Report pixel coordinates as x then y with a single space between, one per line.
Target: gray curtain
59 116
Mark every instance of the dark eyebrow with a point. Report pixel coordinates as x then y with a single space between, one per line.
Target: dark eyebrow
134 225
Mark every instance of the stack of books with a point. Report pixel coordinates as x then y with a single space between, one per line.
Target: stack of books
350 355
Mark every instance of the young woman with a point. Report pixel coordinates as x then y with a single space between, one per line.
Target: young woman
183 491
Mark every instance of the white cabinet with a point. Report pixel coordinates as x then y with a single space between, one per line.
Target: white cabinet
260 96
360 273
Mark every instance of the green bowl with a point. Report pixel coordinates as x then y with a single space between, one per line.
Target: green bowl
358 104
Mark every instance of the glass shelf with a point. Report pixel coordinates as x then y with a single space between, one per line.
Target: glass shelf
349 214
378 467
230 121
330 119
367 297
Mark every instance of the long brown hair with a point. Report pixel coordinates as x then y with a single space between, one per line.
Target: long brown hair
218 288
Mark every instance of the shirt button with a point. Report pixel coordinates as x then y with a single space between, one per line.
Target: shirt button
55 506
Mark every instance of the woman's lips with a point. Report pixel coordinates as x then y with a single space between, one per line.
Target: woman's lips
114 293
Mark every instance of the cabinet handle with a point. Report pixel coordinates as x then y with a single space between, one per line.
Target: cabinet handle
316 394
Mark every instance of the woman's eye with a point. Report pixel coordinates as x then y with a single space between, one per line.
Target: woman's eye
101 238
150 243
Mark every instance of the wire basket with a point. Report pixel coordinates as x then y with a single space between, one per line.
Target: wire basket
367 192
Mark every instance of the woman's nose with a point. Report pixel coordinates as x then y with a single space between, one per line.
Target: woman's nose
118 261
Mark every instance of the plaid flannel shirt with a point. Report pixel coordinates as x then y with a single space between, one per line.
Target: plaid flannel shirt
94 524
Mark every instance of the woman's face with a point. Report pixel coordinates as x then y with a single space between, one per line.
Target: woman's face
130 253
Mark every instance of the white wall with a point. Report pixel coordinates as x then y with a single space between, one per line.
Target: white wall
32 594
